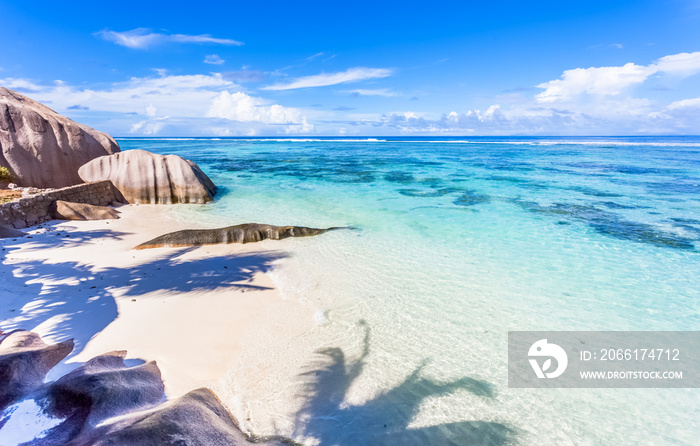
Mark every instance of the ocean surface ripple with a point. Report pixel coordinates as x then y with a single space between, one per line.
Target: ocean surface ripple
460 240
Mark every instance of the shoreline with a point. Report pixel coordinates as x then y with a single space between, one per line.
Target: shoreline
189 309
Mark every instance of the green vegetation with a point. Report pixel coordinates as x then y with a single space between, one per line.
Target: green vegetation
7 195
5 175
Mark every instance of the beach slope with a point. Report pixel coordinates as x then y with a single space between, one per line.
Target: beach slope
186 308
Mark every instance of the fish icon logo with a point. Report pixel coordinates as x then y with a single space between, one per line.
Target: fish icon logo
543 349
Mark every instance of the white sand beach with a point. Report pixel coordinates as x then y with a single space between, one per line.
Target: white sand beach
186 308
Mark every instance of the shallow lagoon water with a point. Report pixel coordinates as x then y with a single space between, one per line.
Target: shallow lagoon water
456 243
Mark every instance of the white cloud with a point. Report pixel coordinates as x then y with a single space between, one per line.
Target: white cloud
611 81
142 38
184 104
683 64
627 116
305 126
685 103
326 79
376 92
214 59
19 84
492 121
600 80
593 101
181 95
148 127
242 107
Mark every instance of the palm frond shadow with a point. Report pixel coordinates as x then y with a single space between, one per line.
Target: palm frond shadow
78 300
384 420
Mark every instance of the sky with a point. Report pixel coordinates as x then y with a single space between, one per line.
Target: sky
462 68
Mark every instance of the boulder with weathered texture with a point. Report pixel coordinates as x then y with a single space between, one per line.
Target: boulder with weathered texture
101 388
245 233
24 362
145 177
66 210
197 418
104 402
42 148
7 231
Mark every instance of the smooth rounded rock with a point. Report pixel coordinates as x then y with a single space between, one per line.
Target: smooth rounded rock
66 210
42 148
7 231
104 387
197 418
24 362
149 178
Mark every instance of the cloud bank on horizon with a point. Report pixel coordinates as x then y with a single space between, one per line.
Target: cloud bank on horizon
597 100
189 81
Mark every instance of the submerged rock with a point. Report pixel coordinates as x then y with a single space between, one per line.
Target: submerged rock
145 177
42 148
66 210
197 418
245 233
24 362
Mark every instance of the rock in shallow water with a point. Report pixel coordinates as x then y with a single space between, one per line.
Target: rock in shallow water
145 177
42 148
24 362
245 233
65 210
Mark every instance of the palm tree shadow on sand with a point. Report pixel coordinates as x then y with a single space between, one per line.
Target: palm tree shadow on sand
384 420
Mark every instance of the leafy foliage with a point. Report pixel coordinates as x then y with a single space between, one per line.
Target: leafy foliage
5 175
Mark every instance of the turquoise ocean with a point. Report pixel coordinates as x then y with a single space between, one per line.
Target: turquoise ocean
455 242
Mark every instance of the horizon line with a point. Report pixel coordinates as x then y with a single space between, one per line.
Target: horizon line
416 136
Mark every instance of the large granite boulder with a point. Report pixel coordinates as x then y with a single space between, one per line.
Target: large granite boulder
196 419
145 177
104 402
42 148
102 388
66 210
245 233
24 362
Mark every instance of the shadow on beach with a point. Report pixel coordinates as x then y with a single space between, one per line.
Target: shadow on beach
71 299
384 420
56 238
77 300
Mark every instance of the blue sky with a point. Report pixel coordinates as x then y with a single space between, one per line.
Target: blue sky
359 68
